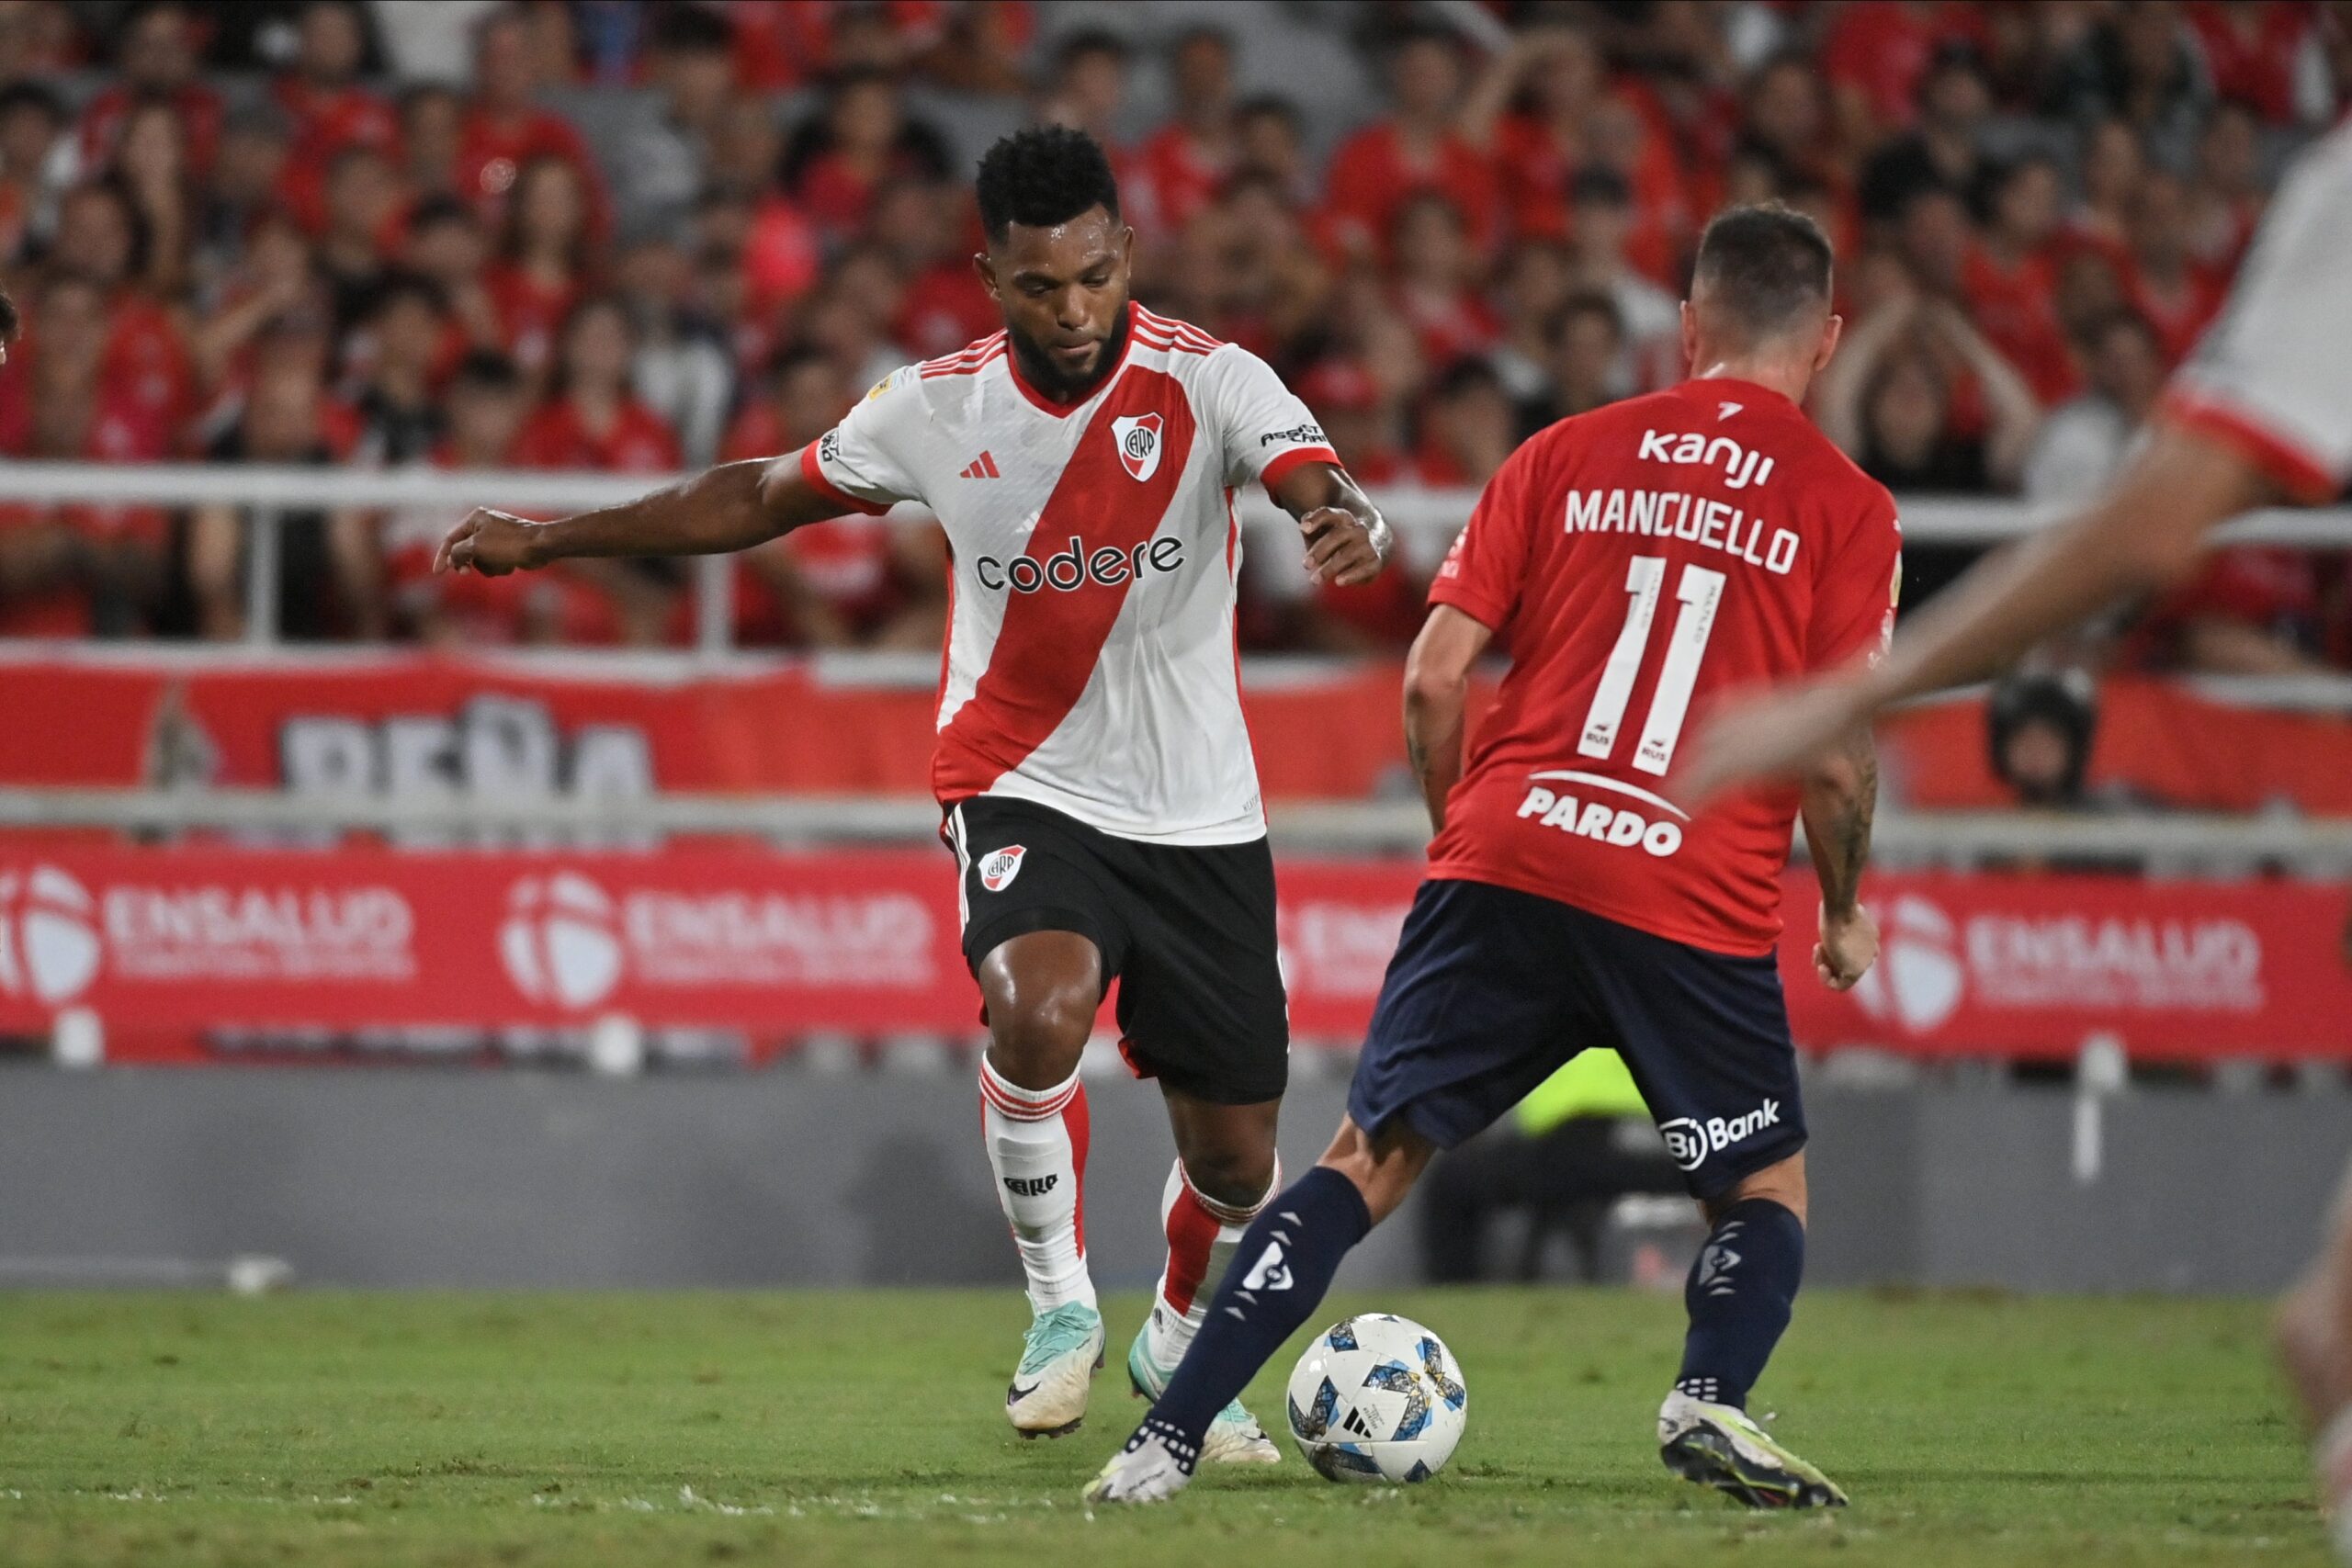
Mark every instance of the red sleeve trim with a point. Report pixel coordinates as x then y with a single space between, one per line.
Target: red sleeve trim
1470 602
1279 469
2304 478
814 473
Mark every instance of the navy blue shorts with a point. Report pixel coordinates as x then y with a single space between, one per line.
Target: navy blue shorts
1492 990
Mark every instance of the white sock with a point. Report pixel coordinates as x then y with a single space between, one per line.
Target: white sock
1036 1142
1201 1235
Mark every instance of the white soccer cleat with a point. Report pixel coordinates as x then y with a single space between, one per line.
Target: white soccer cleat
1234 1437
1059 1356
1154 1466
2333 1456
1720 1446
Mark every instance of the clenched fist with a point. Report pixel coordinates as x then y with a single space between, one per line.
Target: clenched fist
1848 948
1343 547
494 543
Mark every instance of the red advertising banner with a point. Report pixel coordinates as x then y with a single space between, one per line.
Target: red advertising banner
173 948
403 722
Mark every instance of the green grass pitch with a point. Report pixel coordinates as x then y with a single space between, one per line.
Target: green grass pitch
864 1428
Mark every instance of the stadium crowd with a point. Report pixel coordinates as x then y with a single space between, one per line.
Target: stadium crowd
347 233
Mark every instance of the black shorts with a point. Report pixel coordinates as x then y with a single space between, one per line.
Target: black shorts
1188 930
1492 990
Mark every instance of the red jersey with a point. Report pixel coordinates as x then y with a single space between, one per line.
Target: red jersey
636 443
1639 562
1375 173
492 151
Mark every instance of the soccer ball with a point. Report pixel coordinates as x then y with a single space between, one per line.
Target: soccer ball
1378 1398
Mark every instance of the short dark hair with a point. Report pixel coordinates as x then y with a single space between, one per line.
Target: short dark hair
691 29
1598 185
1584 302
398 286
487 369
22 94
9 320
1041 176
438 208
1765 267
1468 374
1086 41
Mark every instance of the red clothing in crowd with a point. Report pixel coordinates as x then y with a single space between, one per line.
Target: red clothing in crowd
782 256
200 110
2180 316
1880 50
944 309
1534 172
530 311
1452 328
1176 178
120 431
636 443
2251 51
845 563
1373 172
2265 586
491 153
2017 310
325 124
781 46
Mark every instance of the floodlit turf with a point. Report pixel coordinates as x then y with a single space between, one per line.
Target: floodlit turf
585 1431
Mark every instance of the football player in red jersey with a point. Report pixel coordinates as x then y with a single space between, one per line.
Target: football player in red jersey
2262 413
1633 560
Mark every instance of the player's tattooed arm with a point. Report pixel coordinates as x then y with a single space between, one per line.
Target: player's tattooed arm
1840 800
1347 539
730 507
1437 688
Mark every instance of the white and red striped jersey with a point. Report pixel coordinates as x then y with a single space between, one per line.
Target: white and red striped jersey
2273 376
1090 663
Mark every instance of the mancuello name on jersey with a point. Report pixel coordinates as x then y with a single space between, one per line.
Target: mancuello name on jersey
1679 514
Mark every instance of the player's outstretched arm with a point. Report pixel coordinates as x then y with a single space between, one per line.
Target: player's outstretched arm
1437 688
730 507
1840 800
1347 539
2145 534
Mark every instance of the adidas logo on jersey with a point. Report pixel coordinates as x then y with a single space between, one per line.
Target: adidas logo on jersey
1599 821
1072 567
983 468
1741 466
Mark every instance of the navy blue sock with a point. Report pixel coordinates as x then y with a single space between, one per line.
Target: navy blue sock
1741 1291
1279 1273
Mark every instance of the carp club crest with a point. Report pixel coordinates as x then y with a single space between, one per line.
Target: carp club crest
1138 442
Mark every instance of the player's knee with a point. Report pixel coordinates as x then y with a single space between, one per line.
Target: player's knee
1036 1036
1236 1176
1781 1182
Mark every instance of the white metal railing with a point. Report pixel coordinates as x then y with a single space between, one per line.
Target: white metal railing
271 492
1316 827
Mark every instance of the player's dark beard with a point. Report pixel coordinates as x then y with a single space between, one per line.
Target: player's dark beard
1039 372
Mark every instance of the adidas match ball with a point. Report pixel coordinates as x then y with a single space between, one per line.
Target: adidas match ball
1378 1398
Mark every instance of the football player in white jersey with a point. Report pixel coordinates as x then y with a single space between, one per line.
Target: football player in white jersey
2261 413
1092 768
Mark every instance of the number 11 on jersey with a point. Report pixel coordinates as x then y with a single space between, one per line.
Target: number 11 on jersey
1699 592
